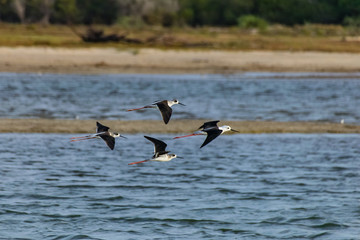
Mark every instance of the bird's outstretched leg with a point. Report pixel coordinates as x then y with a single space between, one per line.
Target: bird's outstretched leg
140 108
74 139
139 162
190 135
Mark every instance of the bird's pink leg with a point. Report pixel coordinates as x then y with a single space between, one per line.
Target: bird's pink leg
190 135
135 109
80 139
138 162
140 108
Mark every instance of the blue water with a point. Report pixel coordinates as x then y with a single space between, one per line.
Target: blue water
273 186
248 96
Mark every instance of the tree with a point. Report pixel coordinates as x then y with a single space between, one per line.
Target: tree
214 12
46 8
97 11
19 7
66 11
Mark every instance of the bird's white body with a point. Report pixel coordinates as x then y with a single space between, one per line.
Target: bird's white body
211 130
164 158
223 129
160 154
102 132
98 135
163 106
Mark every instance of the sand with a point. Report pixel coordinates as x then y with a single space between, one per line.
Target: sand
110 60
174 126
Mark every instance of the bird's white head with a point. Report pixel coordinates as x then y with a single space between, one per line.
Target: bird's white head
227 128
115 135
173 102
171 156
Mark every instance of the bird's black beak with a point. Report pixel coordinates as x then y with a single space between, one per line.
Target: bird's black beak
123 136
182 104
234 130
179 157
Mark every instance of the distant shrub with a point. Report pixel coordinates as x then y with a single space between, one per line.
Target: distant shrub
352 24
131 22
352 21
251 21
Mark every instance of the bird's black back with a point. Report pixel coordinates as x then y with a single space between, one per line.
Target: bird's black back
101 128
209 124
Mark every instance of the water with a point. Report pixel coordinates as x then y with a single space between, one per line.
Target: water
273 186
248 96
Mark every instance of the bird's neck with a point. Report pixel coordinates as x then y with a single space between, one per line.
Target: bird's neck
170 103
224 129
112 134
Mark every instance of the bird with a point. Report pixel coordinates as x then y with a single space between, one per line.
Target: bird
103 133
159 152
211 130
164 106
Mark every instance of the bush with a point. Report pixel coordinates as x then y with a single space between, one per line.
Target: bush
352 21
352 24
251 21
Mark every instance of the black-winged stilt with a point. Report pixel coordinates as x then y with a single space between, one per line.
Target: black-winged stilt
211 130
159 152
103 133
164 107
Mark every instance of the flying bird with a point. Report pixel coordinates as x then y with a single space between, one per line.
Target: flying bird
159 152
164 107
211 130
103 133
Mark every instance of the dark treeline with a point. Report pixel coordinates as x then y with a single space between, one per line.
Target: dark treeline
179 12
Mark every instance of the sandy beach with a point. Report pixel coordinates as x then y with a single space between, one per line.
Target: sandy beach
174 126
110 60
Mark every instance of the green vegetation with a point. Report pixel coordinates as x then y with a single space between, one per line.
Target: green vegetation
309 37
170 13
295 25
252 22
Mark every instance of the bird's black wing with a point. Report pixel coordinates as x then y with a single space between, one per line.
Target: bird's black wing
209 124
165 110
110 141
159 146
211 135
101 128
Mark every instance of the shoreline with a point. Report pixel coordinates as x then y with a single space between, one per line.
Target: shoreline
174 126
148 60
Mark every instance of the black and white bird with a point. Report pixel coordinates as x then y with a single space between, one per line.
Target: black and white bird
103 133
159 152
211 130
164 108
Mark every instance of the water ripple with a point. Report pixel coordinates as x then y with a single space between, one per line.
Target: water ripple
273 186
234 97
